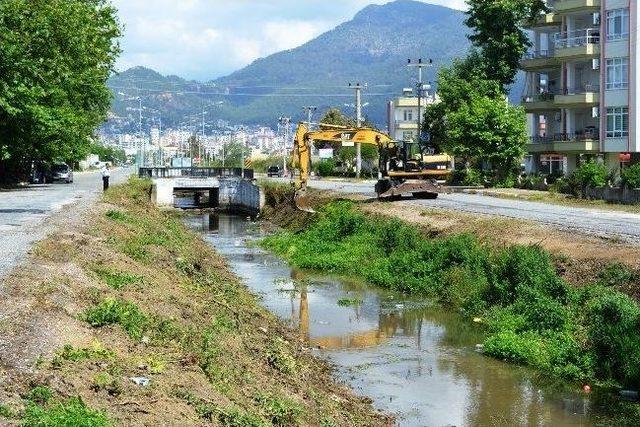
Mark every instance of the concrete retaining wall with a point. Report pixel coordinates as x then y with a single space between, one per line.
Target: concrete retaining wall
615 195
240 195
234 194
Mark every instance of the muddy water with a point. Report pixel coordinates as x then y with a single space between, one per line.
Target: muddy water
415 360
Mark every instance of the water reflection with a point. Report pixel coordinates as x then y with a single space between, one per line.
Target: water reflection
414 359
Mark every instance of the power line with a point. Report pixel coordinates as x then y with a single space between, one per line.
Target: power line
257 95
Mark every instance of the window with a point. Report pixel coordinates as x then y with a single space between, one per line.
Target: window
617 73
617 24
407 136
617 122
408 115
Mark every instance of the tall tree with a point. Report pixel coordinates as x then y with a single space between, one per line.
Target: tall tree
473 119
497 31
55 58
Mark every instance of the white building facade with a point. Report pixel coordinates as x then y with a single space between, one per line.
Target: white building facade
582 86
402 116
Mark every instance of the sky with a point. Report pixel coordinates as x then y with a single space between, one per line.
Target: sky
206 39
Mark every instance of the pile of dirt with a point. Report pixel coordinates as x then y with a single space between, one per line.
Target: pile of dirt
126 316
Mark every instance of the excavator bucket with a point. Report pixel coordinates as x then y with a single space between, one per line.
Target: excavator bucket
419 190
302 202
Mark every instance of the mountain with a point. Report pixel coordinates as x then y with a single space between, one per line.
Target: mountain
373 47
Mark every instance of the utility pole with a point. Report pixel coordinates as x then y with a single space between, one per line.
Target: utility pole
358 88
309 110
160 140
202 141
284 123
420 89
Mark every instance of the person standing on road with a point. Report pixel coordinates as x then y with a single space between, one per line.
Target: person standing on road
106 174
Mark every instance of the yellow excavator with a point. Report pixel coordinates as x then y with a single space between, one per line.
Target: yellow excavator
404 167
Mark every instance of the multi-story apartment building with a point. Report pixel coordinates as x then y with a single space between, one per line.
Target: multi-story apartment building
582 93
402 115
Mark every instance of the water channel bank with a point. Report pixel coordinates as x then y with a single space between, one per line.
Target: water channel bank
413 358
125 317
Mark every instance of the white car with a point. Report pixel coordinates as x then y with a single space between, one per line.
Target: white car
62 172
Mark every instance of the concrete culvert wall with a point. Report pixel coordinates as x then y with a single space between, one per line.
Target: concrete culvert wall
232 194
240 195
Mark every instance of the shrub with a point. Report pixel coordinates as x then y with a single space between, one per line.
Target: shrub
469 177
631 176
464 288
115 311
524 349
326 167
613 320
522 270
590 174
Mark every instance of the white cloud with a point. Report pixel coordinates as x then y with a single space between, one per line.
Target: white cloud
204 39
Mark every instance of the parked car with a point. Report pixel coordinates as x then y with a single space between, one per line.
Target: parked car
62 172
274 171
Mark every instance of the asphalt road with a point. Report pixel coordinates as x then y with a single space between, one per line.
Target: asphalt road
598 222
24 212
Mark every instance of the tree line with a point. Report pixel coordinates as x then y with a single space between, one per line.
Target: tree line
55 59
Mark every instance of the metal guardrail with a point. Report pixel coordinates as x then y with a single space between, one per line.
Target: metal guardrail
577 38
582 89
538 54
195 172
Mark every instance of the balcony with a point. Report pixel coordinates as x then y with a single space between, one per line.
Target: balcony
573 6
543 101
539 60
583 43
584 96
544 20
584 141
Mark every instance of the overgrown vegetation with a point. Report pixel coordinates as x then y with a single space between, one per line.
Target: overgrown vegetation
531 315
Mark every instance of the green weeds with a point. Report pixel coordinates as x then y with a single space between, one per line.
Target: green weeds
71 412
6 412
279 357
532 316
118 280
282 412
116 311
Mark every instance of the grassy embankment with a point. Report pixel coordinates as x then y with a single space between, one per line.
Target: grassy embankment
142 296
530 314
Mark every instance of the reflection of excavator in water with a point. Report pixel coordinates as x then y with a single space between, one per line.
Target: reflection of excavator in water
404 167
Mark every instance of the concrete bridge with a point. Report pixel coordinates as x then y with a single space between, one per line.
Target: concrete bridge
231 189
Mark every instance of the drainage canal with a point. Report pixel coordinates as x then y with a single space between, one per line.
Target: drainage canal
413 358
